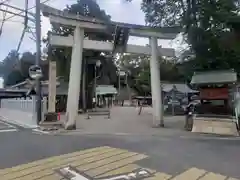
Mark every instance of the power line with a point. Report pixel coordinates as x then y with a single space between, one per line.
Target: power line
19 9
4 16
14 14
19 14
4 2
1 20
25 25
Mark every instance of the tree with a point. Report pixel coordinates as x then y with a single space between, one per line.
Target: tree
138 67
13 78
88 8
8 64
206 28
14 69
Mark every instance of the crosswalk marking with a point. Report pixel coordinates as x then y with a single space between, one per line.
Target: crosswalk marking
98 163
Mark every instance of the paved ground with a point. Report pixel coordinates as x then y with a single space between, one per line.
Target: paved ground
4 127
104 155
102 148
125 120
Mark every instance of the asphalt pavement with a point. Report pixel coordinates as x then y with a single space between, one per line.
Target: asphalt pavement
5 127
175 157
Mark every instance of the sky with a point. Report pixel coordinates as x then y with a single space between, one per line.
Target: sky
119 10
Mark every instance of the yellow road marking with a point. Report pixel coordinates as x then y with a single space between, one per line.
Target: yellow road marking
51 159
51 177
97 162
131 167
192 174
38 171
213 176
114 165
125 169
106 161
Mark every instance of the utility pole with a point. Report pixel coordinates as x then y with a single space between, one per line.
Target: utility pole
36 18
38 59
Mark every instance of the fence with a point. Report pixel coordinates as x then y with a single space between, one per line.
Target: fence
21 111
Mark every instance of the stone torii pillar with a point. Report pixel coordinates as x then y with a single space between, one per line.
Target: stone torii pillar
52 83
156 84
75 78
78 43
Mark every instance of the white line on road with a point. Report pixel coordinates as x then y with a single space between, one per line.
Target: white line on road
40 131
8 130
9 125
210 138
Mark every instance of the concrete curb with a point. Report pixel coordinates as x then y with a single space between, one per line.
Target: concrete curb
15 122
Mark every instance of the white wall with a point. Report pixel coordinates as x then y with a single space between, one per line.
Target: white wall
21 111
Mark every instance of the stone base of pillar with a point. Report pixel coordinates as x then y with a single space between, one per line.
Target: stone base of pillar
71 127
51 117
158 126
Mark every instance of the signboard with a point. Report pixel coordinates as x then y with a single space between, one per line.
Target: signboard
71 173
214 93
35 72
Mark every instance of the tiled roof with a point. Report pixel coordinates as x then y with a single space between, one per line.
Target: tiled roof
183 88
212 77
105 89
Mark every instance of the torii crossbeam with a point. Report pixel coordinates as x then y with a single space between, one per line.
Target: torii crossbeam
83 24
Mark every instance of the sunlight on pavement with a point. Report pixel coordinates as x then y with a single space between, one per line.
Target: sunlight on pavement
98 163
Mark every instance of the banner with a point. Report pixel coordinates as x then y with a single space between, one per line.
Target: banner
214 93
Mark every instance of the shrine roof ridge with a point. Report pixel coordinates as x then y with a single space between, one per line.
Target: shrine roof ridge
49 11
214 77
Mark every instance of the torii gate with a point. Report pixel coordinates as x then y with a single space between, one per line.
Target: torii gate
78 43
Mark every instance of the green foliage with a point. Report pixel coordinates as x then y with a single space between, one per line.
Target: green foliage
8 63
208 27
87 8
14 69
138 68
13 77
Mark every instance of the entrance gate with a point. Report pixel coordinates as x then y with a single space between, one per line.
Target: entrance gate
123 31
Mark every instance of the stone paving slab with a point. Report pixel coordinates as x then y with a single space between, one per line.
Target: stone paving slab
99 163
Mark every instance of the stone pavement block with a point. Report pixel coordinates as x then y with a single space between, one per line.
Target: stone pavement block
51 159
213 176
99 163
215 127
192 174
